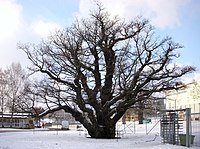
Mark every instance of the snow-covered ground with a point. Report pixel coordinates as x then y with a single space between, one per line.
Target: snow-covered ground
132 136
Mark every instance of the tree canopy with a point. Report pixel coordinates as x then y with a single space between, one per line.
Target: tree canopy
101 66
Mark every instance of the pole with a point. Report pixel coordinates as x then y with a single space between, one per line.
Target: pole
146 127
176 98
134 127
188 126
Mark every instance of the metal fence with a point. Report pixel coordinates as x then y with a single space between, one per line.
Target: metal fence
195 128
181 127
171 126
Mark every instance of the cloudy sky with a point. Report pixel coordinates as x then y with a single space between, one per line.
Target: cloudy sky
32 20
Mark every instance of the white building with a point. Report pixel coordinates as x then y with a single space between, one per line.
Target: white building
187 97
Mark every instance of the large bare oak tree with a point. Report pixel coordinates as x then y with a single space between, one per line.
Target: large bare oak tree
101 66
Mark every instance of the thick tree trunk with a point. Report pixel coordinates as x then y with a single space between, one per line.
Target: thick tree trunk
102 131
140 116
101 127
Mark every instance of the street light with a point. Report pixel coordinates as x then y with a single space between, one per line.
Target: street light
176 89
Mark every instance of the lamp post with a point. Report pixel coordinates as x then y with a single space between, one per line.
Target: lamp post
176 89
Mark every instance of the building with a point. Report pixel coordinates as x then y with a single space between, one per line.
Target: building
187 97
16 120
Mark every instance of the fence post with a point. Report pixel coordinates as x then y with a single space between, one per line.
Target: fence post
188 127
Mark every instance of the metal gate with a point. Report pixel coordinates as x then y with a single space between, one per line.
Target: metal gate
177 127
171 126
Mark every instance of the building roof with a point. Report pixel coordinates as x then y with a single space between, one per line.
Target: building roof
15 115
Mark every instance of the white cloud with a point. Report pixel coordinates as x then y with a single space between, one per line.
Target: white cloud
162 13
14 28
43 28
11 22
10 17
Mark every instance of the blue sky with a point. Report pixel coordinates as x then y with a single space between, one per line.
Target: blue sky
31 20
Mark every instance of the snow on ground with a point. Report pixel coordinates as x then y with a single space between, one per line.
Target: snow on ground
132 137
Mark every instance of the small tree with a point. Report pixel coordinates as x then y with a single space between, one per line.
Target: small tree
100 67
16 82
3 93
195 93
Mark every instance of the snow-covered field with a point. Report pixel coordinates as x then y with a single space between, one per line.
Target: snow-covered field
132 136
